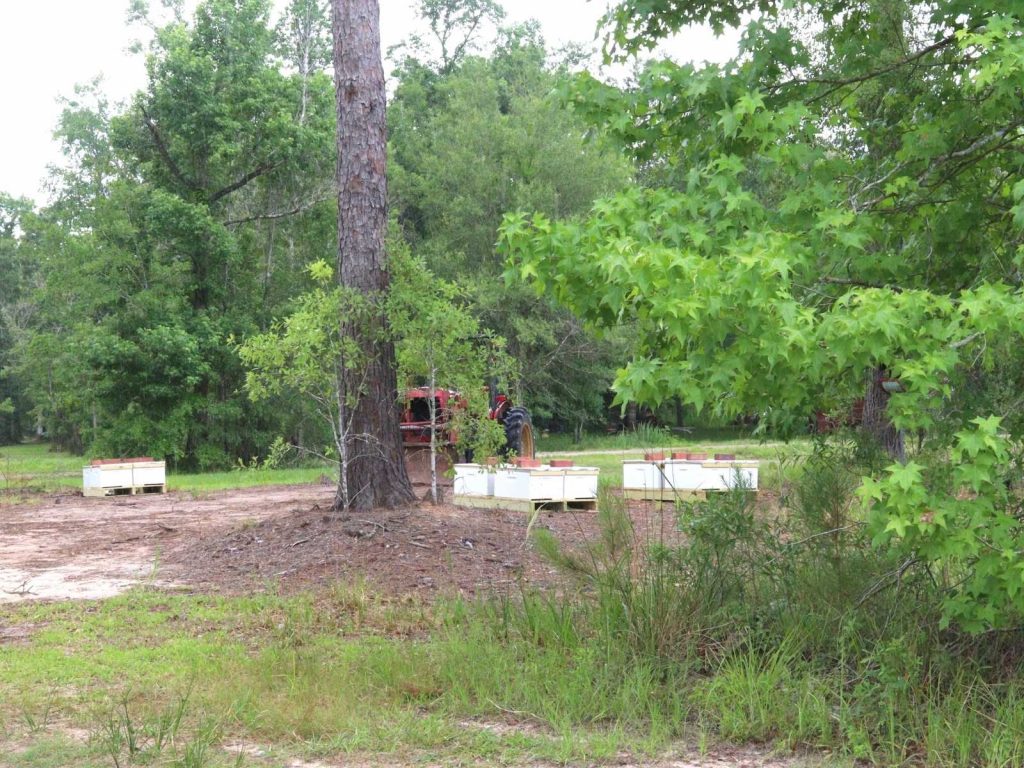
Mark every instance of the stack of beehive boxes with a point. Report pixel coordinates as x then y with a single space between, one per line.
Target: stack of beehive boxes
528 484
686 475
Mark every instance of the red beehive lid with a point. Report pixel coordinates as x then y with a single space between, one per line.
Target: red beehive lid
561 463
525 463
135 460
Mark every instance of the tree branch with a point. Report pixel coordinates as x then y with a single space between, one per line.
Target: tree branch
966 340
161 148
238 184
970 155
837 83
270 216
859 283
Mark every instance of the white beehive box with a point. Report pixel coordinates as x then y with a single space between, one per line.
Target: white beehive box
683 475
146 473
115 478
473 480
642 475
725 475
545 482
96 480
581 482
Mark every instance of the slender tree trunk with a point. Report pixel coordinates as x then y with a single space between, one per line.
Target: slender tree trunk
434 495
376 470
342 497
876 419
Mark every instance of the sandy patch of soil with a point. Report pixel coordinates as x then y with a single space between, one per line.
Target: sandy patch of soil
68 546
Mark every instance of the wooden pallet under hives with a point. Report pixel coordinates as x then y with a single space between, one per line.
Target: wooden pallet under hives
530 506
663 495
125 490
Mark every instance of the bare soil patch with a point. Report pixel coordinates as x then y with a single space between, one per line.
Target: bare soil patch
67 546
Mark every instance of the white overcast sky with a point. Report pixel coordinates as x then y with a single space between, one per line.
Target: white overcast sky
47 46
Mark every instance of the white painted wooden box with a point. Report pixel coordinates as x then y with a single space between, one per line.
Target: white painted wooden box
642 475
149 473
725 475
545 482
473 480
124 477
581 482
106 476
683 475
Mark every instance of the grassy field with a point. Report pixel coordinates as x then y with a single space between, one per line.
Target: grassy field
649 437
345 676
769 630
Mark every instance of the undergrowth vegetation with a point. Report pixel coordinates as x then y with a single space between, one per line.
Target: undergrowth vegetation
786 627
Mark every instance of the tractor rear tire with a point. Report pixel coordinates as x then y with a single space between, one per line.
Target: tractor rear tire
519 433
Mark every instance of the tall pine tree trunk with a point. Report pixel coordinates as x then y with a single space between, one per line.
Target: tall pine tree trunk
376 475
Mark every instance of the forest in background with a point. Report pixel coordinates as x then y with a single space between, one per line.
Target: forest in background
185 222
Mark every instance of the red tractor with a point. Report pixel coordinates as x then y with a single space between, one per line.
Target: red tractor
416 421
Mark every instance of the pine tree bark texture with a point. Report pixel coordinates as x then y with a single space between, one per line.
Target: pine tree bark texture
375 468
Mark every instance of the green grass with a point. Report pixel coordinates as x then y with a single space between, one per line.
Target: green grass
35 467
246 478
651 437
316 676
345 674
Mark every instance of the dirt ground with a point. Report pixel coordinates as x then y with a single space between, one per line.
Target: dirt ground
68 546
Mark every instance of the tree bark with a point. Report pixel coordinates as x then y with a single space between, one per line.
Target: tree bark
876 419
376 475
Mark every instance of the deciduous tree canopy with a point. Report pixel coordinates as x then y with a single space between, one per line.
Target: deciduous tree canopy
840 201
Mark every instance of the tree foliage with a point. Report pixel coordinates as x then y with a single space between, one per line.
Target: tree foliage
441 344
16 272
295 364
829 209
484 137
178 223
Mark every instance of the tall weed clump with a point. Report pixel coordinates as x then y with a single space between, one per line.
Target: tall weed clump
775 622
